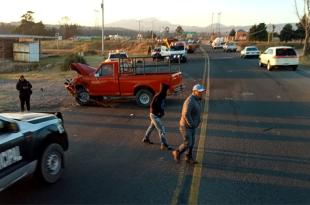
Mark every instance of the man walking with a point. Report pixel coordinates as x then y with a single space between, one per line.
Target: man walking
190 120
156 113
24 88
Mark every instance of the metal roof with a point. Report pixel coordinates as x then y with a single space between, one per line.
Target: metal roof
15 36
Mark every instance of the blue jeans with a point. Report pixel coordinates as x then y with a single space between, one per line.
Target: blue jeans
156 123
188 140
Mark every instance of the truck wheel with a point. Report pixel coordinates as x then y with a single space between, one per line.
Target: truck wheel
144 97
82 97
51 164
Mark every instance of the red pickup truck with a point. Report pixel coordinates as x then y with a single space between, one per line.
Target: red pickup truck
123 78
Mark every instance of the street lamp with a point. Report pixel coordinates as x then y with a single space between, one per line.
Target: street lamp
102 8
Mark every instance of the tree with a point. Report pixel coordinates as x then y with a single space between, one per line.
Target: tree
232 32
252 33
262 34
67 29
299 33
287 33
29 27
305 22
179 31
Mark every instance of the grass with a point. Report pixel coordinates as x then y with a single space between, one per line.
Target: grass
305 61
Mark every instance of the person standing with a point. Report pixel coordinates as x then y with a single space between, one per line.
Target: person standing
24 88
190 120
156 113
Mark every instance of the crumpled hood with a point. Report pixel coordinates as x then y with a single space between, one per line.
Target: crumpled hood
82 69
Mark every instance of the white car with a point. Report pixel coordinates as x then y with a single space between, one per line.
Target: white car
115 56
230 47
250 51
279 56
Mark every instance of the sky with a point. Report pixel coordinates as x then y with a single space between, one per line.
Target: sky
182 12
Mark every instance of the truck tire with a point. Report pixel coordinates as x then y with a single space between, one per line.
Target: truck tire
82 97
51 165
144 98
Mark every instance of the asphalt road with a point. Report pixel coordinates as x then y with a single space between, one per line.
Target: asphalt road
256 148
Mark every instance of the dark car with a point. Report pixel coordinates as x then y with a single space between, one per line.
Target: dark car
31 143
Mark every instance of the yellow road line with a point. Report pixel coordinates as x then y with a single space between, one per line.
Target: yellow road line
194 191
195 186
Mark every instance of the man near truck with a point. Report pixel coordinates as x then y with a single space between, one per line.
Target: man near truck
157 111
190 120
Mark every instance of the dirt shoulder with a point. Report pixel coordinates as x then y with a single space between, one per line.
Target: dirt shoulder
48 90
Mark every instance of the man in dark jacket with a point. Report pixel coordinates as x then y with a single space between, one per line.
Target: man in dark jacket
190 120
24 88
156 113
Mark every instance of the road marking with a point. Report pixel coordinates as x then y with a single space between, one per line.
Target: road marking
195 186
194 189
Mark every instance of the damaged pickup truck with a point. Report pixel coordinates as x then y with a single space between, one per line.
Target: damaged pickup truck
137 78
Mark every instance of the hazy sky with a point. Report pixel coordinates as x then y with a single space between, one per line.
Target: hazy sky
184 12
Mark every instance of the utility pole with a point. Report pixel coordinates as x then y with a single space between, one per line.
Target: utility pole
212 24
102 36
152 31
219 23
139 35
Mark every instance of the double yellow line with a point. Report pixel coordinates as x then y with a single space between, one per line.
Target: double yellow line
196 179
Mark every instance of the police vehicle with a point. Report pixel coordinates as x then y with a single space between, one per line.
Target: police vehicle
31 143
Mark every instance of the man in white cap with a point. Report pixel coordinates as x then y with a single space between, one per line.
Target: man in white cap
190 120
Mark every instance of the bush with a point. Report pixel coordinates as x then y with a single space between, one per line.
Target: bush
73 58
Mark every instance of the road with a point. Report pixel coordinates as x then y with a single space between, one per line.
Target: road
256 147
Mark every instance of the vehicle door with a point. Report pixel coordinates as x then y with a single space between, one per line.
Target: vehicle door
105 81
264 56
14 148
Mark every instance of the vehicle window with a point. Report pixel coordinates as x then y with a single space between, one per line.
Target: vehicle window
270 51
105 70
251 49
1 126
6 127
177 48
285 52
118 55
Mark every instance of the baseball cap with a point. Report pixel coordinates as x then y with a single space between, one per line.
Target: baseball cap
199 88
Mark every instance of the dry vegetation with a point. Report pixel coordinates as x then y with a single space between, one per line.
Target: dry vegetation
94 47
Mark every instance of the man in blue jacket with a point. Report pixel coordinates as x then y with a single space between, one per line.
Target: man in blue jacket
157 111
190 120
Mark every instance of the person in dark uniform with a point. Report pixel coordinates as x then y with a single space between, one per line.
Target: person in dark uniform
24 88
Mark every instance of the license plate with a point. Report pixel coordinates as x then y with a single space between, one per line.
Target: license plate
9 157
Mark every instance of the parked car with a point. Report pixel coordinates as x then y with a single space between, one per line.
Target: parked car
160 53
230 47
279 56
250 51
116 55
218 43
31 143
125 78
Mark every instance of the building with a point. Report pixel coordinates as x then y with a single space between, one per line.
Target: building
241 35
7 42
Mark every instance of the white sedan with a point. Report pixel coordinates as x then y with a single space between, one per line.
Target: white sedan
279 56
250 51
